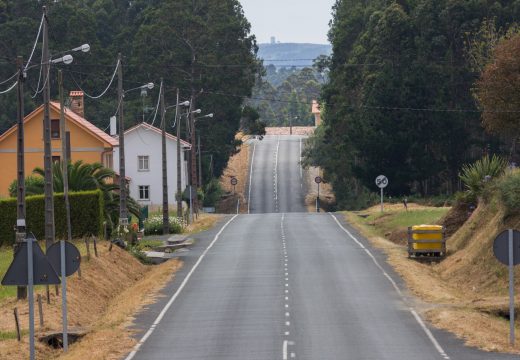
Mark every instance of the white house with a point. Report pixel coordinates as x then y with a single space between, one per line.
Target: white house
143 160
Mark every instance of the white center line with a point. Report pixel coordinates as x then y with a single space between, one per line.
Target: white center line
251 179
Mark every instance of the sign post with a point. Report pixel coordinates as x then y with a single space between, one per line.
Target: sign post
382 182
30 290
318 180
506 249
234 182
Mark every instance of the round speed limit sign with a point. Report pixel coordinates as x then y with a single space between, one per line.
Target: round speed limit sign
234 181
318 179
381 181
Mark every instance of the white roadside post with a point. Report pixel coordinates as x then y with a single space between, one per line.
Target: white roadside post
382 182
30 295
511 288
506 248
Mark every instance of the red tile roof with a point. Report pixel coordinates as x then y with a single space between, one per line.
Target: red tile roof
87 125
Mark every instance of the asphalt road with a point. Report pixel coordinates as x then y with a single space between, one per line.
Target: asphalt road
277 284
276 183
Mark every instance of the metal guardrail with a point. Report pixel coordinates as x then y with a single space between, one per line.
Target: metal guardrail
433 251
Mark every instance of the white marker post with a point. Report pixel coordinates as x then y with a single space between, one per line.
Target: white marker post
382 182
30 294
64 296
511 290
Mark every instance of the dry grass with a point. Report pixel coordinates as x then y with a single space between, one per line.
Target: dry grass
238 167
464 293
112 288
327 197
203 222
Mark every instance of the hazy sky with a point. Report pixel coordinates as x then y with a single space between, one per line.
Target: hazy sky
302 21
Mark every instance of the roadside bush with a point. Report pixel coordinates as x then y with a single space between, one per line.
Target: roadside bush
474 175
153 225
212 192
509 190
33 185
86 212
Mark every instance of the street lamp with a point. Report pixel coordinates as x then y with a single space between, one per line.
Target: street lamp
123 209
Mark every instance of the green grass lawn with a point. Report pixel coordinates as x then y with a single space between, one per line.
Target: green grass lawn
6 256
393 220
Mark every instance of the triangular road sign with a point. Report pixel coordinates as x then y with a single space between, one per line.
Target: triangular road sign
43 272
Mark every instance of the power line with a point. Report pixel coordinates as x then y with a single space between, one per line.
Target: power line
35 43
10 88
104 91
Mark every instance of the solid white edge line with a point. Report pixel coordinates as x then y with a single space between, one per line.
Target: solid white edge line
251 178
394 285
174 297
284 350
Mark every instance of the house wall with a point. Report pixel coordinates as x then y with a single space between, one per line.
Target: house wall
148 142
84 147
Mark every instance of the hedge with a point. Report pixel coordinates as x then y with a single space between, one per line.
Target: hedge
86 213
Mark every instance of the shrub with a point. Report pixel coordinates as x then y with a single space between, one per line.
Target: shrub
33 186
154 225
509 190
212 192
86 213
474 175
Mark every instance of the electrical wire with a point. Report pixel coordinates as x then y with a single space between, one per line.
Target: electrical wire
44 84
104 91
11 78
35 43
157 106
10 88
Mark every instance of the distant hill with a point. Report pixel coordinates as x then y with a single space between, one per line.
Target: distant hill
289 53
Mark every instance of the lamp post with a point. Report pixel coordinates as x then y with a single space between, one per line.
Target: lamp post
123 208
166 215
47 61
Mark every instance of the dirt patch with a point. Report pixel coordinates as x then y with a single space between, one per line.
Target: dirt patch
455 218
112 288
237 167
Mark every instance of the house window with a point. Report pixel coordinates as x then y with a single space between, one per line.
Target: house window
56 159
143 163
55 129
144 192
109 160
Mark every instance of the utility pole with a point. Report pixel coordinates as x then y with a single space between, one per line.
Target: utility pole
166 215
64 157
47 162
21 291
193 159
123 211
200 160
179 167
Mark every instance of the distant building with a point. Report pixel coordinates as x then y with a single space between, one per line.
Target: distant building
316 111
273 40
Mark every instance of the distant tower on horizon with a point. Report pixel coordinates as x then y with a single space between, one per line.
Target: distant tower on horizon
273 40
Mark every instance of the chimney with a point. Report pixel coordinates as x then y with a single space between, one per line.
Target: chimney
76 102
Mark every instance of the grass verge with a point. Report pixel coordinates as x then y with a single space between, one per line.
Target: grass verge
446 293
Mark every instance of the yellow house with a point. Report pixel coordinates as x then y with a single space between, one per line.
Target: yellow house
87 142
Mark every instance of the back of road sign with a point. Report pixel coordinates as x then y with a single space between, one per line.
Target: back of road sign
17 274
501 247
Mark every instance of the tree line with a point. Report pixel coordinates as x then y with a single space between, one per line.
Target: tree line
405 96
204 48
